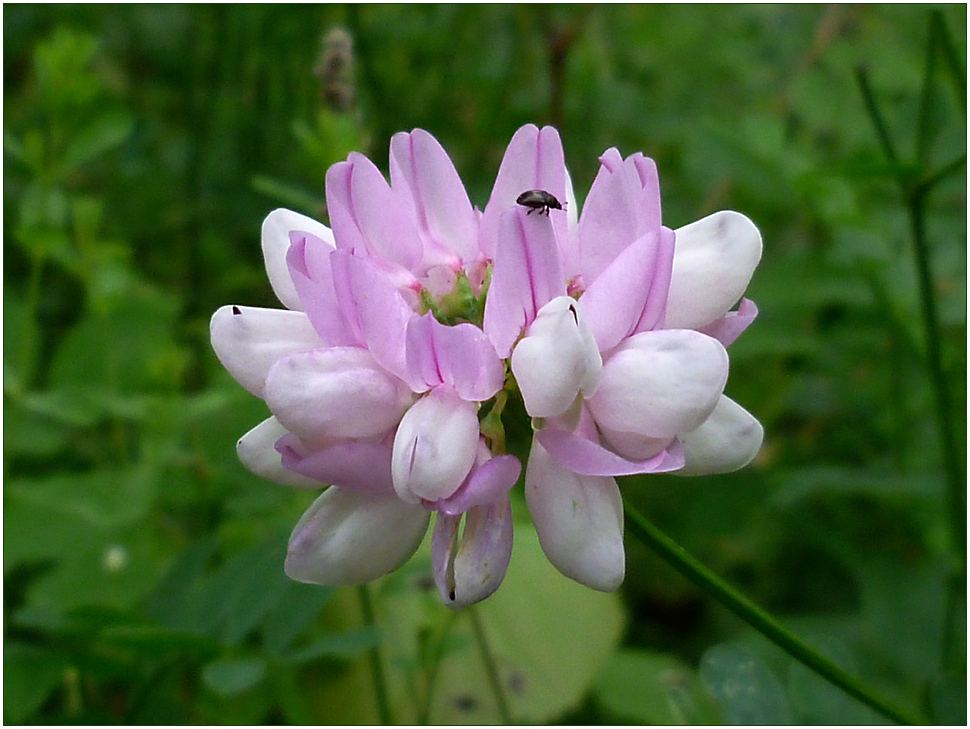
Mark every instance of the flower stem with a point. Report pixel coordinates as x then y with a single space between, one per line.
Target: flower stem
376 664
491 668
954 471
679 559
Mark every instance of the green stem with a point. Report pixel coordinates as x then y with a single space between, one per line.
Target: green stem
31 328
760 620
955 473
431 673
491 668
376 664
882 131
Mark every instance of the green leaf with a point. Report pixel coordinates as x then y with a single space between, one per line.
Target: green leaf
104 498
342 645
745 689
299 607
30 675
91 563
124 348
104 133
651 688
232 676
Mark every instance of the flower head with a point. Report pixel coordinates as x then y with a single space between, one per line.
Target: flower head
412 319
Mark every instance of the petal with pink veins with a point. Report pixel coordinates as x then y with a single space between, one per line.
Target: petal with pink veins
445 217
527 275
459 356
276 242
368 217
623 204
373 305
533 160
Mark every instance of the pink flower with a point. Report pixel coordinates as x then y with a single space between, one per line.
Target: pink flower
416 309
617 328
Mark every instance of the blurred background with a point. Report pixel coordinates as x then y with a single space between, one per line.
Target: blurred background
143 146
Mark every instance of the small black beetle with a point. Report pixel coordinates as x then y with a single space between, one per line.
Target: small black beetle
538 200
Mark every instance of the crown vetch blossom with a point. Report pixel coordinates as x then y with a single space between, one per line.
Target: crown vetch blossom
410 314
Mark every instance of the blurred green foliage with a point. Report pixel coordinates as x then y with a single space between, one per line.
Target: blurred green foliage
144 144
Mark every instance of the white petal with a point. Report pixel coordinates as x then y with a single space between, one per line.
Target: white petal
339 392
257 452
249 341
348 538
725 442
714 260
435 447
556 360
276 242
660 383
579 520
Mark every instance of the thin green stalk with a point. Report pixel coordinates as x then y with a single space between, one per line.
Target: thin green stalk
760 620
376 664
31 328
955 472
431 673
491 668
882 131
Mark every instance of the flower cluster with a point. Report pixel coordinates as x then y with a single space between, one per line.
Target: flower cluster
413 318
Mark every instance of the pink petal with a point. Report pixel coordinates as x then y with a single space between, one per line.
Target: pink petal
339 392
373 305
469 569
369 218
348 538
249 341
257 452
310 270
276 242
655 307
527 275
714 260
623 204
579 520
587 458
730 326
361 467
533 161
487 482
420 165
459 356
614 303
